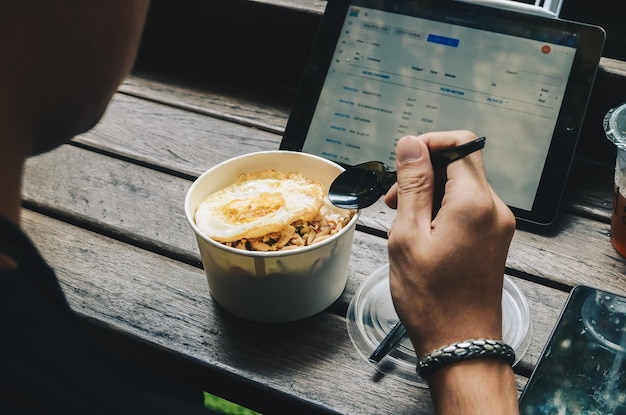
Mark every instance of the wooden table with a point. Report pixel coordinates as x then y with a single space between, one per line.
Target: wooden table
107 212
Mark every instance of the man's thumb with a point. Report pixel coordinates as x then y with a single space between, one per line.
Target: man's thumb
415 180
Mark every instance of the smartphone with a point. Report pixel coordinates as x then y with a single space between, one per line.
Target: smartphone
582 369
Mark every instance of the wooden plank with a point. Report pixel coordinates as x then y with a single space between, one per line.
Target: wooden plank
269 109
136 204
614 66
168 303
131 202
258 106
572 10
609 91
182 141
83 195
171 138
116 194
312 6
176 140
589 189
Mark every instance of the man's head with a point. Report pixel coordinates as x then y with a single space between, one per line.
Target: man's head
61 61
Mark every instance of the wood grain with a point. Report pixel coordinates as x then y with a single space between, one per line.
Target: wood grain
107 212
132 202
168 303
573 253
314 6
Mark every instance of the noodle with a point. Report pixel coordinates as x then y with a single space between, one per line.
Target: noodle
296 235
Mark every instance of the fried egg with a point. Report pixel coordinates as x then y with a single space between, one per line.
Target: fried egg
258 204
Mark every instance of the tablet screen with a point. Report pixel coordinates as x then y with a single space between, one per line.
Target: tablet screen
404 68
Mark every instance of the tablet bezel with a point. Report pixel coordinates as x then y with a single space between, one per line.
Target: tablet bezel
567 130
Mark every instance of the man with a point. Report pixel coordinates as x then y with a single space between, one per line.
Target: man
62 61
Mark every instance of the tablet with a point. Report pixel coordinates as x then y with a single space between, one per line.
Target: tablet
383 69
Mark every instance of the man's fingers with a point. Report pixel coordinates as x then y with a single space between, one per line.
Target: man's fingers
391 198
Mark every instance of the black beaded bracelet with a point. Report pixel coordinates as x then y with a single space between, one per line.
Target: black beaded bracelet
468 349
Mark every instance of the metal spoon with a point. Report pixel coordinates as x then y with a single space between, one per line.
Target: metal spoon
360 186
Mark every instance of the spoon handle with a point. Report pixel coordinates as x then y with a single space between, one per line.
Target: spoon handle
441 159
455 153
388 343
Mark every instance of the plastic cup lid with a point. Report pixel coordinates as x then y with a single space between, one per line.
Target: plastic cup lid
371 316
614 124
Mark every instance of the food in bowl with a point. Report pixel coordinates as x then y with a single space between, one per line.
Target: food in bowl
270 210
276 286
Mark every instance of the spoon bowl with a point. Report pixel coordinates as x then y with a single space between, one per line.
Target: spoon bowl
360 186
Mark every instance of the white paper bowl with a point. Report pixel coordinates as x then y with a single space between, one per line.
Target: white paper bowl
272 287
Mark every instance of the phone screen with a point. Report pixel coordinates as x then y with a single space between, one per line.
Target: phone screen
582 369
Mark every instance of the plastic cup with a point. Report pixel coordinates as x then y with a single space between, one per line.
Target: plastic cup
615 129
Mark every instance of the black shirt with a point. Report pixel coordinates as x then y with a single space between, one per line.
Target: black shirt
49 363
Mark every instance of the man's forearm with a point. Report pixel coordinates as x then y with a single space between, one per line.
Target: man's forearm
480 386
